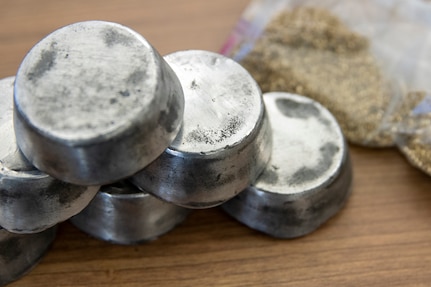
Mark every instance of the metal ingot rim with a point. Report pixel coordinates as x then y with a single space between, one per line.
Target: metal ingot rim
32 204
295 214
208 177
128 218
114 134
262 217
14 262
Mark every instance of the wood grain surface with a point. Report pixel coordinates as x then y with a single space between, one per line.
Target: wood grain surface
381 238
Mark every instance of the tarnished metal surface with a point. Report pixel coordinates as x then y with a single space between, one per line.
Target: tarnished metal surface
121 213
95 103
308 178
19 253
31 200
225 139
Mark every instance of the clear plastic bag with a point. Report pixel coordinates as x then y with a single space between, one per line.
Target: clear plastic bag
413 129
367 61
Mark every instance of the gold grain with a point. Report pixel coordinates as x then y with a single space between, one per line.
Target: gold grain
310 52
414 131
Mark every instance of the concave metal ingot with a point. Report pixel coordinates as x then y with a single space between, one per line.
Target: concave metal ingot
31 200
19 253
95 103
225 140
309 176
122 214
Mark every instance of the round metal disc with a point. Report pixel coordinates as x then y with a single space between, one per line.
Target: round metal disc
308 177
223 104
224 142
308 149
95 103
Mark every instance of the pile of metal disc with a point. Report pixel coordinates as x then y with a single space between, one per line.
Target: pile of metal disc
98 128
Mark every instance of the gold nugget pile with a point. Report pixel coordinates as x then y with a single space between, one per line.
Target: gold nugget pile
309 51
412 125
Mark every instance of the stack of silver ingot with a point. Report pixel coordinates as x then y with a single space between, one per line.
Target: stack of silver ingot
98 127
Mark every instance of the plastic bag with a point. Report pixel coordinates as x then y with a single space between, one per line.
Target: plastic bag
366 61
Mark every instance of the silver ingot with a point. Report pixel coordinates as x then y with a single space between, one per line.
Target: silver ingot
122 214
309 176
19 253
225 141
31 200
95 103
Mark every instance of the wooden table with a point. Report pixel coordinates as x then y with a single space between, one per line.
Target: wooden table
381 238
